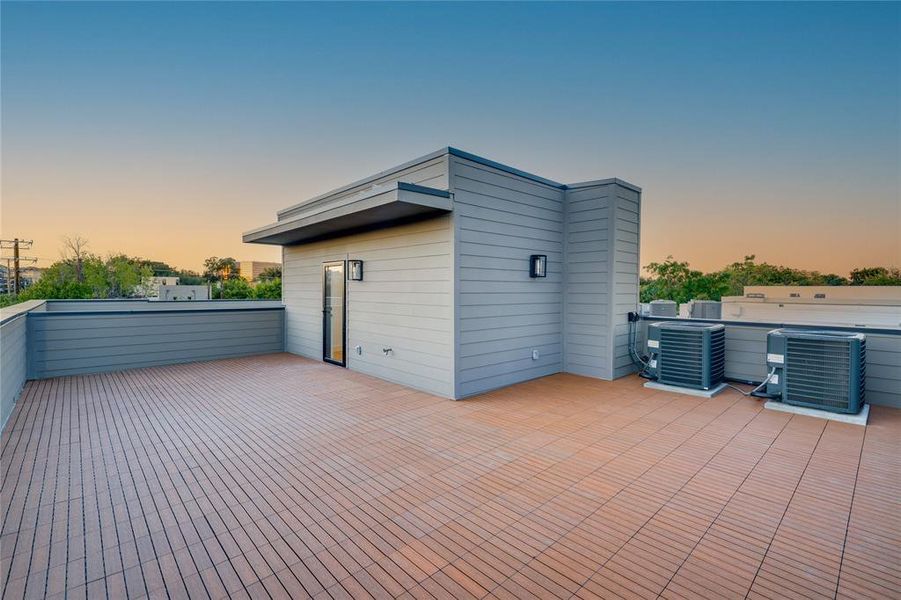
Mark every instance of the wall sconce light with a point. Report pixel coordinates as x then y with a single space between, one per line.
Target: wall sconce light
538 265
355 270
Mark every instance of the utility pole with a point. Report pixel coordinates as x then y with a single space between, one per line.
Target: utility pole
16 266
15 245
8 281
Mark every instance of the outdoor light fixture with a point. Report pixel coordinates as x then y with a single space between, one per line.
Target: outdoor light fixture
355 270
538 265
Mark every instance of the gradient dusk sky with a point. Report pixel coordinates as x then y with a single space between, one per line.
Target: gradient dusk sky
165 130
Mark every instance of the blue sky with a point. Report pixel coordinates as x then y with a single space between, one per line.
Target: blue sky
166 129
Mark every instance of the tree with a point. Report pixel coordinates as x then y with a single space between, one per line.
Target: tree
89 276
80 274
220 269
268 289
674 280
235 289
833 279
58 282
749 272
75 248
188 277
229 268
876 276
124 275
160 268
271 273
185 276
211 269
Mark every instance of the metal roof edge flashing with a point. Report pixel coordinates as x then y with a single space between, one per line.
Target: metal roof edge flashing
599 182
384 173
152 311
449 151
375 206
772 325
502 167
14 311
421 189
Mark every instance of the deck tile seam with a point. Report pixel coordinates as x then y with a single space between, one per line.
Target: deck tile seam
624 426
675 493
570 529
838 583
650 467
784 512
149 373
725 503
7 579
487 500
335 543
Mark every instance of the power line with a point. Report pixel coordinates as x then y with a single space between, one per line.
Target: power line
15 245
11 244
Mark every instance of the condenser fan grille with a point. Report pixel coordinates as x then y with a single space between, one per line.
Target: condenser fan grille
819 371
688 359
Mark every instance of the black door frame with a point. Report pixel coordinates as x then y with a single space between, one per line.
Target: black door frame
343 361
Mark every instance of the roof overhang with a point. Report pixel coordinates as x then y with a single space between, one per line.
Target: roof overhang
378 207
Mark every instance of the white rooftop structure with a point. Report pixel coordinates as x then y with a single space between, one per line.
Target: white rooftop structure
847 306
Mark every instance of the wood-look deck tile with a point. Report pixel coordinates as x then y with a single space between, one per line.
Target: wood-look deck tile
283 477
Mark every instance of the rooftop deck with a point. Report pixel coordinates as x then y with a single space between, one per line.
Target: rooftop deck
280 476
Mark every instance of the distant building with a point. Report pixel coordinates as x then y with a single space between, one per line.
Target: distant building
849 306
30 275
27 276
183 292
252 269
150 287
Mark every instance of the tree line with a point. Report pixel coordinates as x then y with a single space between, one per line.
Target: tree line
228 284
677 281
81 274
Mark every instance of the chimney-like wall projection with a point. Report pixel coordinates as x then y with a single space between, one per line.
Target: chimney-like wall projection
601 255
512 327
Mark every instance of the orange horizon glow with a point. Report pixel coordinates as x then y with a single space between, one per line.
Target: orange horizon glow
183 230
181 217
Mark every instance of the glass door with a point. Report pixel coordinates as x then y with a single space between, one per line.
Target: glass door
333 312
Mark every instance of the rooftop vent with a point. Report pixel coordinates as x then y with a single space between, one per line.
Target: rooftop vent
687 354
706 309
818 369
663 308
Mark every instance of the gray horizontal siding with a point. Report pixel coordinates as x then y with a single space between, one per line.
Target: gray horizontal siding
602 243
625 271
13 363
73 343
500 219
404 302
746 360
588 282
